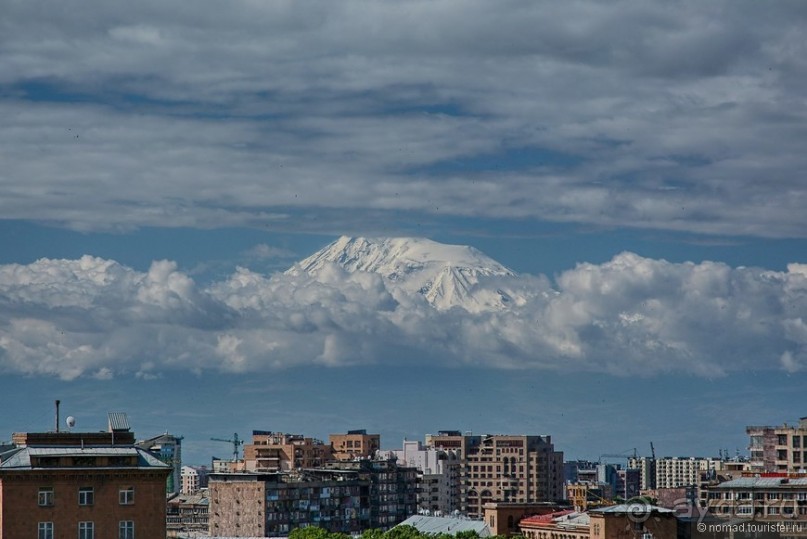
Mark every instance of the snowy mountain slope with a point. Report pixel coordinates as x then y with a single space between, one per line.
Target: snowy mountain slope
446 275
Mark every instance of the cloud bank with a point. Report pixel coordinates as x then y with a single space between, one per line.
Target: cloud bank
685 116
629 316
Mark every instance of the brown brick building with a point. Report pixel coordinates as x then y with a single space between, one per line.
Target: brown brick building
85 485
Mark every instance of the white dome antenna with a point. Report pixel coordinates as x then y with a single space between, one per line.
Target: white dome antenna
71 422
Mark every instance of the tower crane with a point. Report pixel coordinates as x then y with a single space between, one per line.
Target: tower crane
621 455
235 440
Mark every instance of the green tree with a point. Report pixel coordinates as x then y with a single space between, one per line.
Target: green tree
372 534
403 532
310 532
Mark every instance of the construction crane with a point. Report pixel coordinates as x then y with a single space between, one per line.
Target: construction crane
621 455
235 440
652 451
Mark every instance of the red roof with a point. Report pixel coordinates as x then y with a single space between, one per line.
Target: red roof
539 520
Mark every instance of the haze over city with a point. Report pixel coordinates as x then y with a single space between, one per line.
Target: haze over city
615 193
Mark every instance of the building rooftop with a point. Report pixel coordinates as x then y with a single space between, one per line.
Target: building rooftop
763 482
547 518
632 508
190 499
449 525
20 458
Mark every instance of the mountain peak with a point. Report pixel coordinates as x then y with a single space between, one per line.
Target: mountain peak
444 274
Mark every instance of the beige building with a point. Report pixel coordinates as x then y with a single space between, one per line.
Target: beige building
633 521
506 468
279 452
772 498
629 521
583 496
355 444
778 449
193 479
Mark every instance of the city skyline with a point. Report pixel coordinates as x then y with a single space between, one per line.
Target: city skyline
639 166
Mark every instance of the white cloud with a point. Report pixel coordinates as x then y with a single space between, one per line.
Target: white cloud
679 117
631 316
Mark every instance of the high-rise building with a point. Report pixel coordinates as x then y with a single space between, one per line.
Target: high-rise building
279 452
778 449
167 448
506 468
439 475
674 472
81 484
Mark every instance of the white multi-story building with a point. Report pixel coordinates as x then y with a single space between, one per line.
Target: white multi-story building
676 472
193 479
438 475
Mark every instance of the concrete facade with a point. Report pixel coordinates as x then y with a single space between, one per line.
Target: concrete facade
355 444
279 452
439 475
194 478
778 449
774 498
346 497
507 468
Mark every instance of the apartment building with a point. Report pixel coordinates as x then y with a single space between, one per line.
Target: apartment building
188 514
167 448
81 484
673 472
194 478
778 449
647 471
355 444
279 452
346 497
439 475
507 468
772 498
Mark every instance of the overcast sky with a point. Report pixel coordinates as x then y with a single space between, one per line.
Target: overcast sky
639 165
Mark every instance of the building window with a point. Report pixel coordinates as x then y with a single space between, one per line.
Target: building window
126 529
86 530
126 496
45 496
85 496
45 530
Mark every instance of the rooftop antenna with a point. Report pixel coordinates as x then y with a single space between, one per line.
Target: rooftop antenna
58 402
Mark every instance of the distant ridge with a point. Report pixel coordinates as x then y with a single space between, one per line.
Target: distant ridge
446 275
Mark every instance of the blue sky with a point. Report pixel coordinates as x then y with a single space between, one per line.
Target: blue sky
640 165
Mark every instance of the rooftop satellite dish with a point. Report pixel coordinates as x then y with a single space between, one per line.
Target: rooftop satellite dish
71 421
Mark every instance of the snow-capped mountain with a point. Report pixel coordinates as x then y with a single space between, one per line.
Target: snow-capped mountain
446 275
